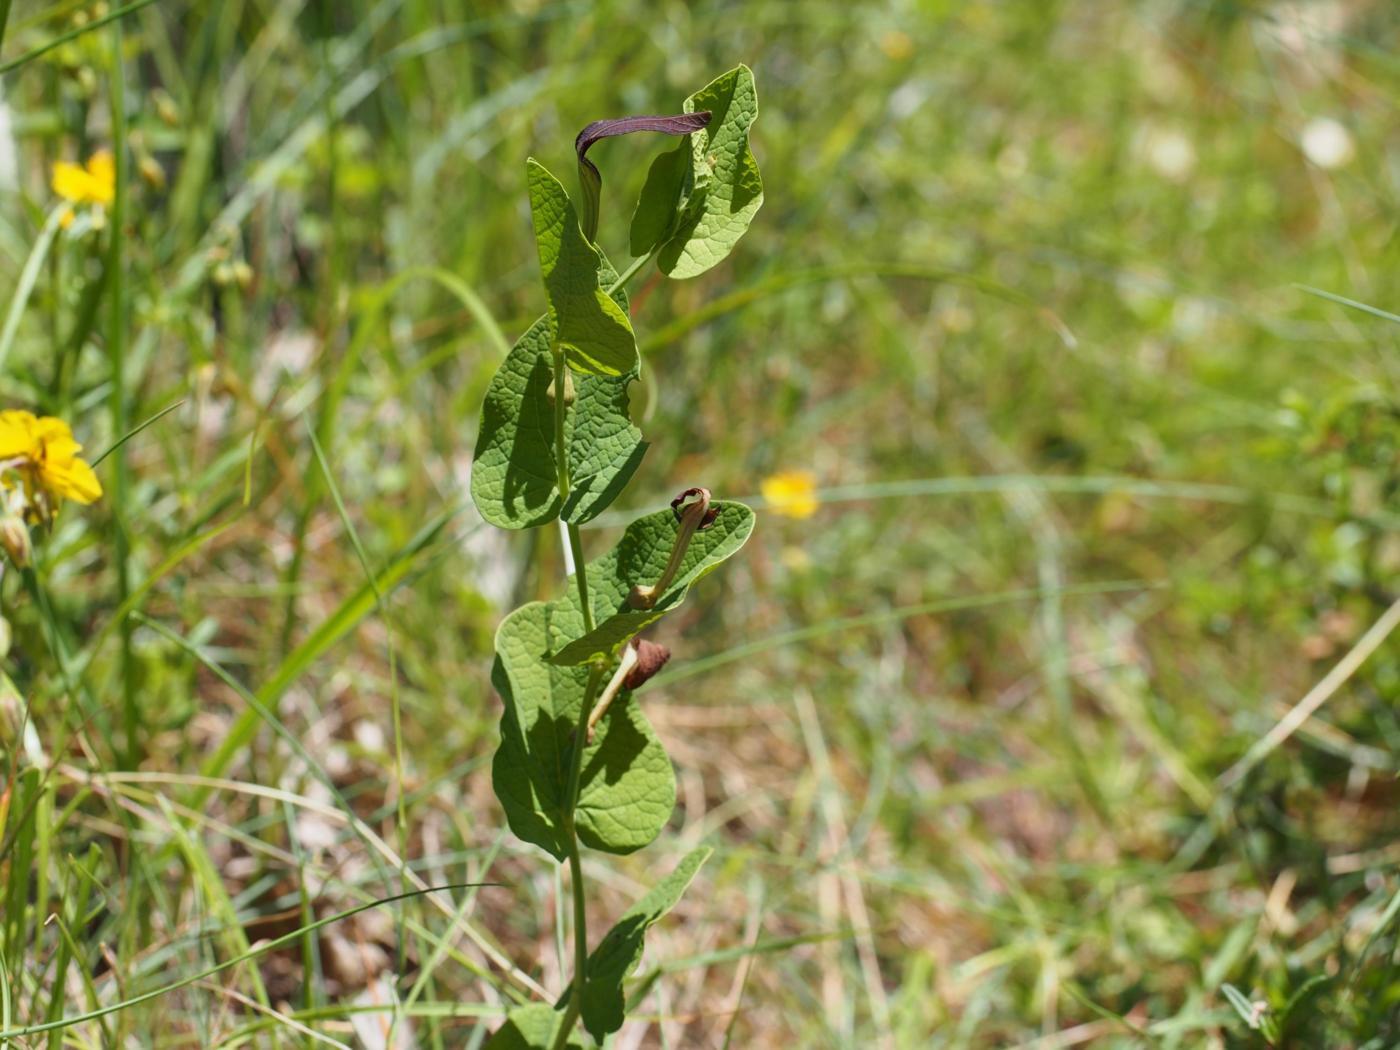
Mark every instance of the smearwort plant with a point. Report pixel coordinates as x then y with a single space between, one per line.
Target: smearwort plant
579 765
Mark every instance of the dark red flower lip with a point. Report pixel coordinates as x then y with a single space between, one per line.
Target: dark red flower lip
680 124
693 494
591 179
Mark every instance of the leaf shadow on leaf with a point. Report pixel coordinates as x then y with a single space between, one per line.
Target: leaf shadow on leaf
577 511
532 803
669 182
514 475
550 736
745 182
594 332
618 744
514 484
519 477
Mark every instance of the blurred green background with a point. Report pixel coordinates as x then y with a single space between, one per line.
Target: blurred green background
1106 488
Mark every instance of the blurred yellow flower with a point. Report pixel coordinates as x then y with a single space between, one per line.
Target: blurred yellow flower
95 184
42 452
792 493
896 45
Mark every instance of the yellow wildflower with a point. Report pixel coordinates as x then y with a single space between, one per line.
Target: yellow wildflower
95 184
896 45
792 493
42 453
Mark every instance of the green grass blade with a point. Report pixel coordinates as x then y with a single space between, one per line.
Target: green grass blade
257 950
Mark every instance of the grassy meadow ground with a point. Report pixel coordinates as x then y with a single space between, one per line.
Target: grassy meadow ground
987 747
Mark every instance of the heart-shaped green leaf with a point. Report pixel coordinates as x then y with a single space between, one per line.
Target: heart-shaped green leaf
699 199
639 559
591 328
618 954
627 788
514 481
533 1027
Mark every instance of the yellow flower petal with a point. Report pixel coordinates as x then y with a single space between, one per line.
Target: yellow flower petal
56 436
94 184
76 481
50 465
103 170
66 219
17 434
792 493
71 181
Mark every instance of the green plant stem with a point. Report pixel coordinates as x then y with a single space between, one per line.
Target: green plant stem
561 453
561 462
576 551
116 344
632 271
571 792
575 1003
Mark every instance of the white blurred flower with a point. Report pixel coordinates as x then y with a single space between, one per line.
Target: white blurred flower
1327 143
1170 153
9 158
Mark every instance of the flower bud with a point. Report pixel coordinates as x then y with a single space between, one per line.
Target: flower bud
640 660
14 537
151 172
165 106
568 388
651 658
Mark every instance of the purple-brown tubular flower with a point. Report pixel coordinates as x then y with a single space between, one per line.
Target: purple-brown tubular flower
592 179
694 512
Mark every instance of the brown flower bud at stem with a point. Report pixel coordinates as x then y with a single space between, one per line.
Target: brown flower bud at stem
651 658
640 660
568 388
692 516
